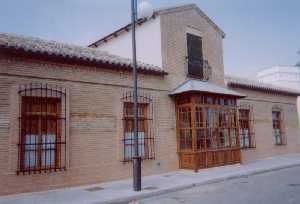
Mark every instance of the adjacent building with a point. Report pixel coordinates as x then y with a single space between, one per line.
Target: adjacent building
66 112
282 76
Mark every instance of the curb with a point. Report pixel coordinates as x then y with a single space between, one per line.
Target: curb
184 187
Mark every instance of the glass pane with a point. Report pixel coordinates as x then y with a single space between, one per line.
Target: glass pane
277 136
186 139
31 142
233 138
200 138
48 150
129 144
185 128
199 117
224 138
141 136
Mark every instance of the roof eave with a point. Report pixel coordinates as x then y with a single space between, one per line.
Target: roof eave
77 60
118 32
263 89
237 96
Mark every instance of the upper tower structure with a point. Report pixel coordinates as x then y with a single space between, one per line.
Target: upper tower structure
182 40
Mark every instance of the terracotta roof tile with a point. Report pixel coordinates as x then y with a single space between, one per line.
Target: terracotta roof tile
233 81
53 48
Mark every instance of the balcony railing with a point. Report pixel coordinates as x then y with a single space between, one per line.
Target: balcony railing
199 69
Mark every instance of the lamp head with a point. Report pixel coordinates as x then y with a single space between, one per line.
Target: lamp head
145 10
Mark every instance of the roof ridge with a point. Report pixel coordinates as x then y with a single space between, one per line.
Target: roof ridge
186 5
157 12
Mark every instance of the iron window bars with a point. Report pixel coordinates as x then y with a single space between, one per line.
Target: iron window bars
278 126
197 66
42 128
145 123
246 127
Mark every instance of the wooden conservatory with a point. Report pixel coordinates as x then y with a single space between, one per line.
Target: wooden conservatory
207 125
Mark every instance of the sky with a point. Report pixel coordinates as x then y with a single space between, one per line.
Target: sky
259 33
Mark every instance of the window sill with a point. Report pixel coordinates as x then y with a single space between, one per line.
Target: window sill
280 144
41 171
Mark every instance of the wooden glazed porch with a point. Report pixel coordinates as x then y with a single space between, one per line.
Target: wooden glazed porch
207 130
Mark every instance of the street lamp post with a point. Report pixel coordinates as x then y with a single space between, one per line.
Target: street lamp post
145 11
137 180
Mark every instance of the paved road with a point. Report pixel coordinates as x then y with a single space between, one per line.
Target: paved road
279 187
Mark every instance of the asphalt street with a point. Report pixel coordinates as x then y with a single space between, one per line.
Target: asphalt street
277 187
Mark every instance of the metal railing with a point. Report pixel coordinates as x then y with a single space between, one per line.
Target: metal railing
199 69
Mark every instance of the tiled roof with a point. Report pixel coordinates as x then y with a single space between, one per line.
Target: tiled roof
233 81
52 48
158 12
203 86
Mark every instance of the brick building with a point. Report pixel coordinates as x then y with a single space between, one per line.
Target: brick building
66 111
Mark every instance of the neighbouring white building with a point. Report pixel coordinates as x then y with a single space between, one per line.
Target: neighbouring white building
283 76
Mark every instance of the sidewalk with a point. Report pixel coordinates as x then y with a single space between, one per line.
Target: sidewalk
121 191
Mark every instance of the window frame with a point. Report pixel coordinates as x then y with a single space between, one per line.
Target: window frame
128 128
194 61
42 119
278 124
42 129
246 120
145 120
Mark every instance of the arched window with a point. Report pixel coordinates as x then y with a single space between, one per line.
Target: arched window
42 135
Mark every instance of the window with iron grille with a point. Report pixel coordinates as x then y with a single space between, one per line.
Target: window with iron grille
247 139
277 127
42 140
195 56
145 134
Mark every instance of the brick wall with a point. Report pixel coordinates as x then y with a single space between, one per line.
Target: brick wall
174 28
262 104
95 124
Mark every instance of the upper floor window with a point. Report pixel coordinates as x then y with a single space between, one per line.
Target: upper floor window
195 56
42 141
278 127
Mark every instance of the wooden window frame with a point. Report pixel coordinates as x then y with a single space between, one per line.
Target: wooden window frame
246 122
195 62
42 124
145 121
220 140
278 124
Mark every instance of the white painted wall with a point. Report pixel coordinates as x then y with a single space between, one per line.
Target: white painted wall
284 76
148 37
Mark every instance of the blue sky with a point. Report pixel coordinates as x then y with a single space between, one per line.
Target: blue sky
259 33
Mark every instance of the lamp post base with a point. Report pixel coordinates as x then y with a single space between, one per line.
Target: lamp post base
137 177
